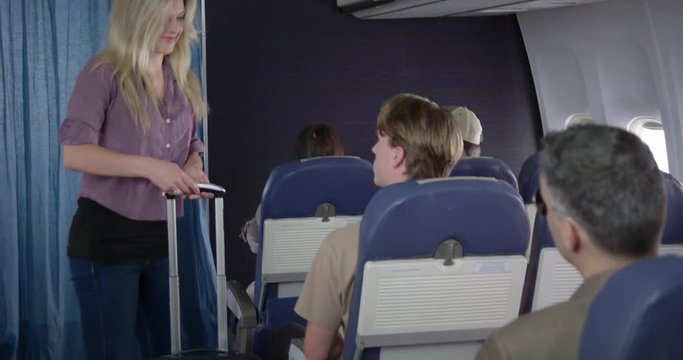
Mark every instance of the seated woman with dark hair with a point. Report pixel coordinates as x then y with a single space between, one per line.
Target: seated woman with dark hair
314 140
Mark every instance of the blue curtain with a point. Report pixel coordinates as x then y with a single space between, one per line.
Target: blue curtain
43 46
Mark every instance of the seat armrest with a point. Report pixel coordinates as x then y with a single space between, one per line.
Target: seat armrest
241 305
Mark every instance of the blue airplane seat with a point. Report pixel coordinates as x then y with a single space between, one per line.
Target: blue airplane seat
637 314
535 296
302 202
529 177
672 237
405 295
529 183
485 166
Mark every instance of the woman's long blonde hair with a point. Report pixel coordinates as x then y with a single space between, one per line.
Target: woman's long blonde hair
135 27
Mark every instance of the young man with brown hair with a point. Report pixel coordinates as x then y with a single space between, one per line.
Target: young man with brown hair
416 139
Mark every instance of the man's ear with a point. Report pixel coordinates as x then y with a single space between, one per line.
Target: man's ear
574 235
399 156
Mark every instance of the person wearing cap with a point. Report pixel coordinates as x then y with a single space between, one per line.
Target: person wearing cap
470 127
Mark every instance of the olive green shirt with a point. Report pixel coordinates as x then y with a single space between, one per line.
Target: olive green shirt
550 333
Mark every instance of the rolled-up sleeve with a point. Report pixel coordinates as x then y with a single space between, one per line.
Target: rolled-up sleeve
320 300
196 145
87 105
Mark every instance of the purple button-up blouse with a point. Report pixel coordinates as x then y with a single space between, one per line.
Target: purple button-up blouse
97 114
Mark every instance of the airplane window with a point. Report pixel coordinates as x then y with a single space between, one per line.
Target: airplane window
652 133
577 119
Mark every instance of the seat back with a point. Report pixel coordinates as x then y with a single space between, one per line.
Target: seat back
551 279
302 202
440 266
672 237
529 177
637 314
529 183
485 167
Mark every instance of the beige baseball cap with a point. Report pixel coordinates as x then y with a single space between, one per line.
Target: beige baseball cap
468 123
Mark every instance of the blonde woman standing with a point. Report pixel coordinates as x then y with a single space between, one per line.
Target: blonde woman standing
130 129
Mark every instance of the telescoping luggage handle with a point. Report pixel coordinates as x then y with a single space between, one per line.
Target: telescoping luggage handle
174 282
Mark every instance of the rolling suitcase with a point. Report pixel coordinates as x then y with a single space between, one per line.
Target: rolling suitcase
174 284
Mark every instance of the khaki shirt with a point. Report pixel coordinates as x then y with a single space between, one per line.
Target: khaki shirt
326 297
550 333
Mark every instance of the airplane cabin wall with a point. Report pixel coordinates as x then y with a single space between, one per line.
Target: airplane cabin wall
615 60
274 66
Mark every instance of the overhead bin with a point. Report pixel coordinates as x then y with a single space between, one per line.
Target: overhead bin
400 9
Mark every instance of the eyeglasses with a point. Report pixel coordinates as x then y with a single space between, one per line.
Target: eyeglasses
540 204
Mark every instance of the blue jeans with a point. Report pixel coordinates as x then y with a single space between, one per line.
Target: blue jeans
124 308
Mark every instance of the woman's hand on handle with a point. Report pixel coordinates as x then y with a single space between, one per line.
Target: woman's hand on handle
169 177
199 177
193 168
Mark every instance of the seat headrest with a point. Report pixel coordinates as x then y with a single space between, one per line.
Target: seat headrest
529 177
296 188
411 219
673 228
637 314
487 167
